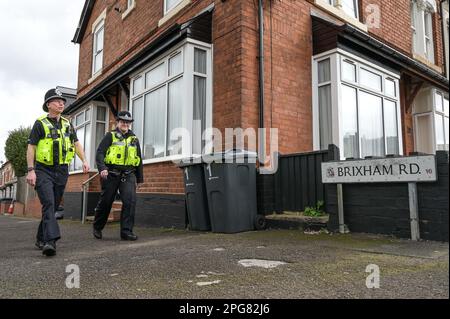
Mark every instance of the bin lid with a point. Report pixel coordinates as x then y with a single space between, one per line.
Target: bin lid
190 161
230 156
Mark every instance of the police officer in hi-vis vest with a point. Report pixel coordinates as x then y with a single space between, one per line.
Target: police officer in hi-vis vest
119 162
52 145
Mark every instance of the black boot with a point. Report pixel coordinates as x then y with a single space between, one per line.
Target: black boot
49 248
129 236
98 234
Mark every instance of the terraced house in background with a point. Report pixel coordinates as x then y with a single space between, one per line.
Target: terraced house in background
370 76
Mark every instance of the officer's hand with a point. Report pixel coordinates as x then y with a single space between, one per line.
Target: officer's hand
31 178
104 174
86 167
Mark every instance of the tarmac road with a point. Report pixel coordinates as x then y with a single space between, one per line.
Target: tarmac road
167 263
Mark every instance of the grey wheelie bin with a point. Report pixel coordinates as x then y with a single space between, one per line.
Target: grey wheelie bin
230 179
196 200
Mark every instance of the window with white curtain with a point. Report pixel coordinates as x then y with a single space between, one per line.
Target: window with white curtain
421 12
89 134
101 126
324 87
441 121
369 111
173 92
82 124
97 60
428 34
199 114
350 122
366 104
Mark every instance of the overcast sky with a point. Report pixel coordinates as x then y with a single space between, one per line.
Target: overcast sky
36 54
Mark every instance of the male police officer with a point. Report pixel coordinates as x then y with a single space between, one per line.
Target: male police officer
119 162
51 147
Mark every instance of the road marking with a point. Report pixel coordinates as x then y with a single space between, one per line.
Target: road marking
260 263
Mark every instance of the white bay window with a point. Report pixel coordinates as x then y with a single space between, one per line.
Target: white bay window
174 92
357 108
431 120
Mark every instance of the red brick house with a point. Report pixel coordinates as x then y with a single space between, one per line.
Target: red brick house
368 76
8 181
8 186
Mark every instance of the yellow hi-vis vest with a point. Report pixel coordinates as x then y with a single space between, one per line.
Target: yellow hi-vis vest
123 151
66 147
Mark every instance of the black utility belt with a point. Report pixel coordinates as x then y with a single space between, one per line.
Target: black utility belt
121 173
38 164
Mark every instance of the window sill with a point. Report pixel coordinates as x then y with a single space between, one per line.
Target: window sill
128 11
94 76
341 14
427 62
170 14
164 159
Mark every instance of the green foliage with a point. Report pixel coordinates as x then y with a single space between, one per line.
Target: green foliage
315 211
16 149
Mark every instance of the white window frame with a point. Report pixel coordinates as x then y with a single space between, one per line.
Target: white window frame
186 48
440 113
428 108
324 84
166 9
428 38
90 151
97 26
415 36
96 54
336 57
422 44
131 4
338 4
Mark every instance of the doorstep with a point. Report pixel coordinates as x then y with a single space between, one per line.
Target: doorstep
296 220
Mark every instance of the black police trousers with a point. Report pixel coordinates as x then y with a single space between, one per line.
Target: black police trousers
50 185
126 185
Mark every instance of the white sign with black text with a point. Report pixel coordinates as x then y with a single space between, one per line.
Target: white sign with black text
396 169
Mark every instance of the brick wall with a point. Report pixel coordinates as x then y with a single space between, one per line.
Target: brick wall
395 22
288 50
162 178
395 26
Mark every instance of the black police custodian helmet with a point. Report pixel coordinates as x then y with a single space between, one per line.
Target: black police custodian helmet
124 116
50 95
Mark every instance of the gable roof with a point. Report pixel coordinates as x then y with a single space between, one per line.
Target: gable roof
84 19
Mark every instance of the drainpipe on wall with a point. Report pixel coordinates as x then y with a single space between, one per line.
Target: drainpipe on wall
262 140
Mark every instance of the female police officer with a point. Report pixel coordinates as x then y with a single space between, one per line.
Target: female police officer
119 162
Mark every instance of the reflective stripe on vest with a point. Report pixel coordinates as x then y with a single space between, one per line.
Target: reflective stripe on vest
123 151
45 148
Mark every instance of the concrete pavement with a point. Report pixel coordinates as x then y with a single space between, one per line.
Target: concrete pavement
167 263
